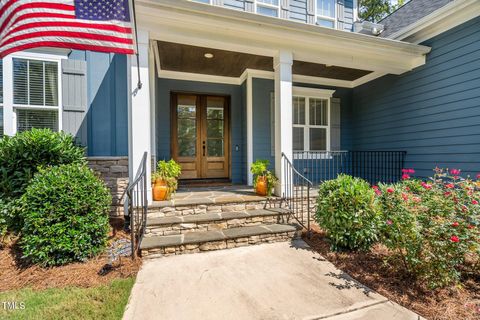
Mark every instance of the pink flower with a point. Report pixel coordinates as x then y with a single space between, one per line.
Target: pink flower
464 208
449 186
405 176
426 186
474 202
389 222
470 226
446 194
390 190
454 239
405 196
375 187
378 192
417 199
455 172
478 176
455 224
407 188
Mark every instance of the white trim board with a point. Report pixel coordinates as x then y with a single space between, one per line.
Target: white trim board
175 75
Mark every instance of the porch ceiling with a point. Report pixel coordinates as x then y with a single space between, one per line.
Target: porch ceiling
339 57
187 58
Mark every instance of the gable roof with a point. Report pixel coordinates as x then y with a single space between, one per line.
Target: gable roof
409 13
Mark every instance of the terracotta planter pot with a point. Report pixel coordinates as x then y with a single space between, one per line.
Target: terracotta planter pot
261 189
160 190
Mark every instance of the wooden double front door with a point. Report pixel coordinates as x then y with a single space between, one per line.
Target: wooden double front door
201 135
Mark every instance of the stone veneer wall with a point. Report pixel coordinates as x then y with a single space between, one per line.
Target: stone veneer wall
114 171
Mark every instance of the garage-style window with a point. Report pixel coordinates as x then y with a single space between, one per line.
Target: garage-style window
36 94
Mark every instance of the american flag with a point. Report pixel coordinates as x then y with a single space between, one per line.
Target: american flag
97 25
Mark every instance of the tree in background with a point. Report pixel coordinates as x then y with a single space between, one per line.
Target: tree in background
375 10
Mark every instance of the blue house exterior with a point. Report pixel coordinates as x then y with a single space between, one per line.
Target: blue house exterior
297 77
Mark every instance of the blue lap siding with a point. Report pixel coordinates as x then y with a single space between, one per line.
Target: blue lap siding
433 112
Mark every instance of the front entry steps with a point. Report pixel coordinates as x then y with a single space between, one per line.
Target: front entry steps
198 241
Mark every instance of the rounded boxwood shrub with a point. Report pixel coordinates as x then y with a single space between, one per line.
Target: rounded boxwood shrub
22 155
348 212
65 215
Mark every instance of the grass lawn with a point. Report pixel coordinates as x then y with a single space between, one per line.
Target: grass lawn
102 302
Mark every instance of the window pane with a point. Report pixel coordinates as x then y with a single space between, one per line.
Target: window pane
202 1
298 139
298 110
187 137
234 4
20 85
325 23
272 2
318 112
1 81
326 8
215 147
215 129
318 139
35 82
28 119
267 11
51 84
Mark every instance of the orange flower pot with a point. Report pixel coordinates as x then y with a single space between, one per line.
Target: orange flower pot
261 189
160 190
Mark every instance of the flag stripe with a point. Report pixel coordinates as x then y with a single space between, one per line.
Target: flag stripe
61 24
69 45
50 6
100 26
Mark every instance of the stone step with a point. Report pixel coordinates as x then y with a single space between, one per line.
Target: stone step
174 225
199 241
194 207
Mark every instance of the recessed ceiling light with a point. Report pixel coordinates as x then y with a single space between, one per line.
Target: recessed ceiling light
208 55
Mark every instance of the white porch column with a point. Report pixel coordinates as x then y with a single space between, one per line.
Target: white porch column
9 120
139 132
283 114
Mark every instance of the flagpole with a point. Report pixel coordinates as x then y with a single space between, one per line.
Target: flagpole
139 83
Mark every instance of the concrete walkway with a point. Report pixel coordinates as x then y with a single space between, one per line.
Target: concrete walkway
271 281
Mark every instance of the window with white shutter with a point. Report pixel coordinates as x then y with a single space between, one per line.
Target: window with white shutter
36 94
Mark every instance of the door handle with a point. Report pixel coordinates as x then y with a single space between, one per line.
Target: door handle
203 148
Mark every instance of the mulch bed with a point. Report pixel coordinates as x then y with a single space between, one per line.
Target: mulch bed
16 275
379 272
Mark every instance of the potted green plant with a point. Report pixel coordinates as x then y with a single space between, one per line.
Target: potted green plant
165 179
263 179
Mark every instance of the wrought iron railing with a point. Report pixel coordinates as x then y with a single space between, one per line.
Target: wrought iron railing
136 206
373 166
296 193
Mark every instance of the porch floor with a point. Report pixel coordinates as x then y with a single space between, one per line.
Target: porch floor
186 196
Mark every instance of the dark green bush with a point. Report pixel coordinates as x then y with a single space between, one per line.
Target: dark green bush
22 155
65 215
348 212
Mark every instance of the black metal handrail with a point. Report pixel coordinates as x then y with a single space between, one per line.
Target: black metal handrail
373 166
136 206
296 193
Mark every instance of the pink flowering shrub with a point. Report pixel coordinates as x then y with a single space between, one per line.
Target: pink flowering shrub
433 226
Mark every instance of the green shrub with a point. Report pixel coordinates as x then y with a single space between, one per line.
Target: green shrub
433 226
65 215
22 155
347 211
10 216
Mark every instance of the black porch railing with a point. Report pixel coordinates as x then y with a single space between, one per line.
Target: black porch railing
136 206
373 166
296 193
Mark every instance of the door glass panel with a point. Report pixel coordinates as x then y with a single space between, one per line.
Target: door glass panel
215 127
187 126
